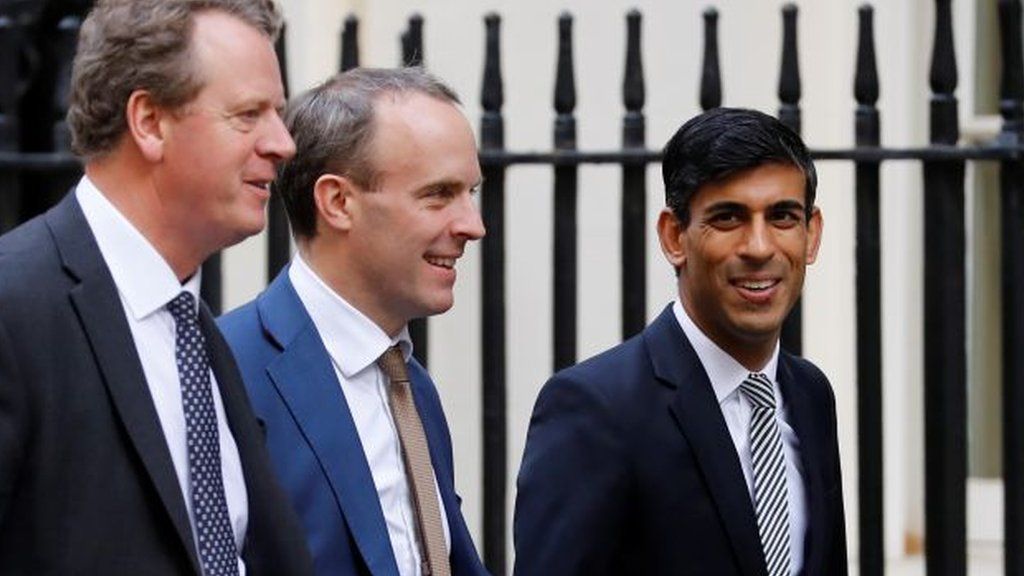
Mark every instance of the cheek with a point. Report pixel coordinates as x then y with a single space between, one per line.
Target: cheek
708 261
798 250
228 152
423 231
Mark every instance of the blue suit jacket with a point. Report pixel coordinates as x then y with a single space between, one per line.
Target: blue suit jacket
313 442
629 469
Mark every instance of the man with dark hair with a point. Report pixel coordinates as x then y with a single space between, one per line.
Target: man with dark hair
699 447
127 443
380 199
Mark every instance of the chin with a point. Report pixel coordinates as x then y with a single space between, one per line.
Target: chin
438 306
760 327
253 224
240 233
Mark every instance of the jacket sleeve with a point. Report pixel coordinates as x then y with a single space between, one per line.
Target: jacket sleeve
569 507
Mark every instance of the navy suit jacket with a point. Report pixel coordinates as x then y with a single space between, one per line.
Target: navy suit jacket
629 469
87 485
313 441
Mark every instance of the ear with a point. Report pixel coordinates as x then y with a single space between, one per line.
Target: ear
814 228
334 197
144 119
671 233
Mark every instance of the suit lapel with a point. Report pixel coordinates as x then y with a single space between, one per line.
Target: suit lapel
229 384
801 411
101 313
700 419
304 377
237 410
421 385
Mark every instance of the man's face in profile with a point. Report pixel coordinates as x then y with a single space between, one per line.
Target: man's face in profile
222 148
409 231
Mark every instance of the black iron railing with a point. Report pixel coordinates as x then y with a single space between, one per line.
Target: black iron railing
27 173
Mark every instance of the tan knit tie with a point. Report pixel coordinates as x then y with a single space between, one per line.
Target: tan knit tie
419 472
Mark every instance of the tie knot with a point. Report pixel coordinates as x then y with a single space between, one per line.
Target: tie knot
392 363
183 307
758 389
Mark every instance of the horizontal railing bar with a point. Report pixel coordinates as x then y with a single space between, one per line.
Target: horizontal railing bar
38 161
43 161
559 158
929 153
569 157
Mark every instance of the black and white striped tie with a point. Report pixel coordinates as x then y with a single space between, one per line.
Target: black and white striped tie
771 496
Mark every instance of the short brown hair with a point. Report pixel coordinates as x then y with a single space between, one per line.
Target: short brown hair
128 45
333 127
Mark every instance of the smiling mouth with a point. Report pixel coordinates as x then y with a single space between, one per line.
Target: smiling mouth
757 285
446 263
261 184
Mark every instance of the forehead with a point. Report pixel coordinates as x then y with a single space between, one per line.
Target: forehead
412 115
417 134
234 58
756 187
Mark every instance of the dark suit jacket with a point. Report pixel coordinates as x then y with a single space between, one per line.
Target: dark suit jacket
313 441
629 469
86 480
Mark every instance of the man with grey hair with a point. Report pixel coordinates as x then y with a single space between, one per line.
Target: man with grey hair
127 443
380 199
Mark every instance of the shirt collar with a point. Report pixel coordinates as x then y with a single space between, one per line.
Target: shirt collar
353 341
725 373
144 279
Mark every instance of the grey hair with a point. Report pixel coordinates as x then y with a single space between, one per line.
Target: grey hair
333 127
128 45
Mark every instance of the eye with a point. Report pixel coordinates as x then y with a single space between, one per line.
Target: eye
244 120
786 218
250 115
724 220
441 192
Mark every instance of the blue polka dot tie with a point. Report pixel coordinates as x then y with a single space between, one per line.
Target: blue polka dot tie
217 552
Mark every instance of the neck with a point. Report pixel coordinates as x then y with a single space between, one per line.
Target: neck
753 361
126 185
752 352
332 265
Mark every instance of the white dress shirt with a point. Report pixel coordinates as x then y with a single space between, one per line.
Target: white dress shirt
146 284
726 375
354 343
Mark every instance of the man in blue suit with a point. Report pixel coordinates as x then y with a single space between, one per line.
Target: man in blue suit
699 447
380 199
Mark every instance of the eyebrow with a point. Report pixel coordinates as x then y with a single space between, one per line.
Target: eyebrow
450 183
727 206
789 205
260 101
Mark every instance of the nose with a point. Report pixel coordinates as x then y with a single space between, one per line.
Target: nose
468 224
276 143
758 243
